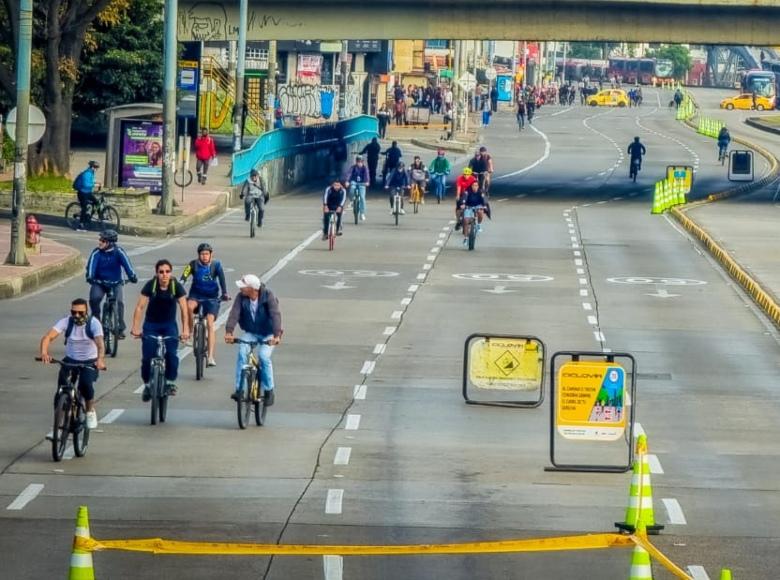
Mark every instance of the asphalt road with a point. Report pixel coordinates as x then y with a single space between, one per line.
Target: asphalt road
370 440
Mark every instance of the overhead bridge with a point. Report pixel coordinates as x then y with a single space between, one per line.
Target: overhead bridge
735 22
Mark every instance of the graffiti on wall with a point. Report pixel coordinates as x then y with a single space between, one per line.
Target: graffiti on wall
307 100
216 21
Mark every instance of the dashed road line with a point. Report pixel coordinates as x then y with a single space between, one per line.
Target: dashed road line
698 573
674 510
397 314
112 416
368 367
593 320
389 330
342 456
413 288
352 423
599 336
28 494
333 501
359 392
380 348
333 567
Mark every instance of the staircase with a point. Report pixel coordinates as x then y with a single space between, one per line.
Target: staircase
218 97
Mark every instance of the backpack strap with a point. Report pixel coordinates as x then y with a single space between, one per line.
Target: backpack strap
88 329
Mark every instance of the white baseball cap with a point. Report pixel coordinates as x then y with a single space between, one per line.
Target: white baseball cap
249 281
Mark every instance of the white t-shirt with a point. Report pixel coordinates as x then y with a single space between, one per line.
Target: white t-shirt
253 305
80 347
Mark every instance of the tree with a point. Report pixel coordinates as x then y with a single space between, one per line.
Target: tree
680 57
586 50
60 28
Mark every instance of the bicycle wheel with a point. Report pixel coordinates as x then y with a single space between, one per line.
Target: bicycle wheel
163 406
332 235
73 214
80 432
244 403
260 411
396 208
109 218
252 220
472 235
199 349
61 429
154 387
182 177
356 209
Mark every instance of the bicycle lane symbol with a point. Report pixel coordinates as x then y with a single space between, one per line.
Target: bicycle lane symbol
503 277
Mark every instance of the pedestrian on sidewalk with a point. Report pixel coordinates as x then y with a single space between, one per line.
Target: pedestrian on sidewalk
383 117
205 153
84 184
372 151
520 114
486 112
494 99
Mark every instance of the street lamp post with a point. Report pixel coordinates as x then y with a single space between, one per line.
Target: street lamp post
169 107
238 103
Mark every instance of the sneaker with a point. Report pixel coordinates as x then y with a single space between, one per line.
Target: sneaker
457 226
362 217
170 389
92 421
81 229
403 212
324 237
479 229
339 233
392 212
268 398
234 396
211 363
465 241
146 396
121 335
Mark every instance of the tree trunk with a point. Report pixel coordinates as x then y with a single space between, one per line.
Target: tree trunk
52 153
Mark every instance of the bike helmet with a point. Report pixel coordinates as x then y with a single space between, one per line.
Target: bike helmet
204 247
467 171
253 173
109 236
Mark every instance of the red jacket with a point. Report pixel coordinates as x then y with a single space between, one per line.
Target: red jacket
205 148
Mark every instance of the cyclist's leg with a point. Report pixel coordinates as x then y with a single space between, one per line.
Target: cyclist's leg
84 202
211 309
362 193
192 306
264 352
96 294
325 221
148 352
260 203
87 378
242 358
171 354
338 220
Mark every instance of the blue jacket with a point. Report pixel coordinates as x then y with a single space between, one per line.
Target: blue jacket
207 279
334 199
86 181
359 174
108 265
267 321
398 179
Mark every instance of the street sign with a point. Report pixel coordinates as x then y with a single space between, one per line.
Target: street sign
467 81
515 364
37 124
490 74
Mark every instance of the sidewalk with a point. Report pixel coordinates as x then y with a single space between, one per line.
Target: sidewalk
435 136
56 261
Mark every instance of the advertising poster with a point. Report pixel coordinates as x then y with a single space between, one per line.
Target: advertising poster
505 88
140 163
506 364
590 401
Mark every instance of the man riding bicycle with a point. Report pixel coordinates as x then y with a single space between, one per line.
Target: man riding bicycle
398 178
357 178
160 297
255 192
84 184
636 150
482 165
333 201
207 280
462 185
724 138
104 269
439 169
474 200
83 345
256 311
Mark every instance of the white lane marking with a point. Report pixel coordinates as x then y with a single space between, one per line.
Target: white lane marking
583 281
380 348
442 235
599 336
575 246
353 423
578 253
431 257
573 238
593 320
578 262
435 250
289 257
655 464
333 501
601 202
413 288
445 229
439 242
580 271
542 159
638 429
698 573
583 292
587 306
389 330
427 266
139 390
333 567
451 222
616 198
397 314
587 204
673 508
342 456
28 494
111 416
368 367
406 301
421 276
359 392
605 349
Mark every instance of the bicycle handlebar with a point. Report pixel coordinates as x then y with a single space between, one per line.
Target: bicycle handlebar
157 337
70 365
252 343
110 282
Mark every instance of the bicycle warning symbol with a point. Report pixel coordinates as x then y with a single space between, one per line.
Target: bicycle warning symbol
507 363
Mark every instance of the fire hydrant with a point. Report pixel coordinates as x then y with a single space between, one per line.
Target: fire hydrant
33 235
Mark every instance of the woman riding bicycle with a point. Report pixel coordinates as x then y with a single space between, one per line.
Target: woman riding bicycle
439 170
398 179
473 200
724 138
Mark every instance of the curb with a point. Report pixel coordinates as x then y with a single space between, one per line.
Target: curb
181 224
760 295
69 266
452 147
756 123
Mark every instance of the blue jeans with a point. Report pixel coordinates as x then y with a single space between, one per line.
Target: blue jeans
149 350
263 353
439 184
361 191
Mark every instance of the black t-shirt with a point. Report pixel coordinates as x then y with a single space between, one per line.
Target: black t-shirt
162 303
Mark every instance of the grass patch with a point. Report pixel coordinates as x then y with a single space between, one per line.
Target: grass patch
42 184
773 120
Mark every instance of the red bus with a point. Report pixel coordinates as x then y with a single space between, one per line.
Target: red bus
632 70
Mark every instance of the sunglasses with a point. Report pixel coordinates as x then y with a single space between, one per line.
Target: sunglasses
163 271
78 312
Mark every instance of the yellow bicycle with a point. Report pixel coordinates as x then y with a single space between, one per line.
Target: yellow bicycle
416 196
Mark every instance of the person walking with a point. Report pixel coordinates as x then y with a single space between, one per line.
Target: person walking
372 151
383 117
205 153
520 114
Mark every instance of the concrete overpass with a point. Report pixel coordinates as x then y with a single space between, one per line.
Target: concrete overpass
741 22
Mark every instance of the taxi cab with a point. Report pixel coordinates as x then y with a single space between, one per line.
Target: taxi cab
609 98
744 102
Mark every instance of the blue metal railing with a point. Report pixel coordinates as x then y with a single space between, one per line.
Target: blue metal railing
296 140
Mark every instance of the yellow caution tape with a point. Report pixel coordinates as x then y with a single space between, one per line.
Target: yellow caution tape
161 546
642 541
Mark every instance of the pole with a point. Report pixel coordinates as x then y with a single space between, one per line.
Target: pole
525 65
456 88
270 85
17 256
169 107
514 72
238 103
343 81
563 69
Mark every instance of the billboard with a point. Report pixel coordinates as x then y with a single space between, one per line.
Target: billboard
141 157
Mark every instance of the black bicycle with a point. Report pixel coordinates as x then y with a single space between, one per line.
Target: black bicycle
634 169
254 212
200 336
110 316
250 395
157 387
104 214
722 150
70 413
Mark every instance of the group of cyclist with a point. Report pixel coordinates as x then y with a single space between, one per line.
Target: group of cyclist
163 302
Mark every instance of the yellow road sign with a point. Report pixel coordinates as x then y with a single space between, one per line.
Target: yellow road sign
682 173
590 400
515 364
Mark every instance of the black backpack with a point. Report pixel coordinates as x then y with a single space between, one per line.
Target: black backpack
88 329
